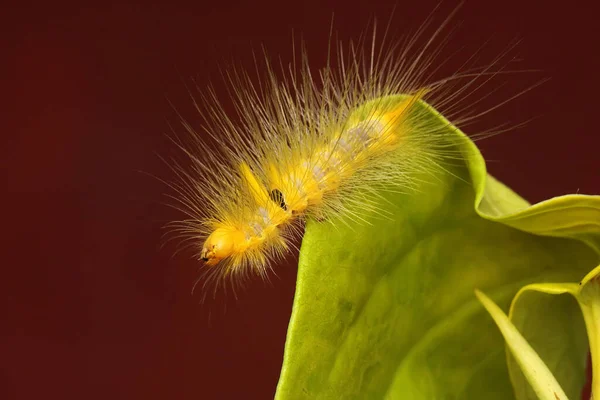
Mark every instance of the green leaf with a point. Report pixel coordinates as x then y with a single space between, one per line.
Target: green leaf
559 336
536 372
386 309
554 327
588 298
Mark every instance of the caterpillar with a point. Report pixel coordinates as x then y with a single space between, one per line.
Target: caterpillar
306 145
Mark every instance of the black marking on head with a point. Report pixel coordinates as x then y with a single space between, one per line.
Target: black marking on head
204 259
277 197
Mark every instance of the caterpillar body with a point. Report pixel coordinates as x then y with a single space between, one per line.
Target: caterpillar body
282 195
304 147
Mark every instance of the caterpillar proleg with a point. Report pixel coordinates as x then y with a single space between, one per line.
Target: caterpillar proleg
314 145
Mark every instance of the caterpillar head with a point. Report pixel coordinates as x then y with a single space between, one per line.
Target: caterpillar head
220 244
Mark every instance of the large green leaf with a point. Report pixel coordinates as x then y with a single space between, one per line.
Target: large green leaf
386 309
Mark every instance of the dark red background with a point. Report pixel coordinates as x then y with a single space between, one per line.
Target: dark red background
91 306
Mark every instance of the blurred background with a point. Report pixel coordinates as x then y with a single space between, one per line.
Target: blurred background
92 306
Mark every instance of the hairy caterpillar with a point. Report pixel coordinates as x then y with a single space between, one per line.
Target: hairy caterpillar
306 145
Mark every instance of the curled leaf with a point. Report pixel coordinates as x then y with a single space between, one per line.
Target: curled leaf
560 335
542 381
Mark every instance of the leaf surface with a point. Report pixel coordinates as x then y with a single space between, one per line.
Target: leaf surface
386 309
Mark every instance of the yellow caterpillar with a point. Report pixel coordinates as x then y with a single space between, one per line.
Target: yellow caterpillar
305 147
301 185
